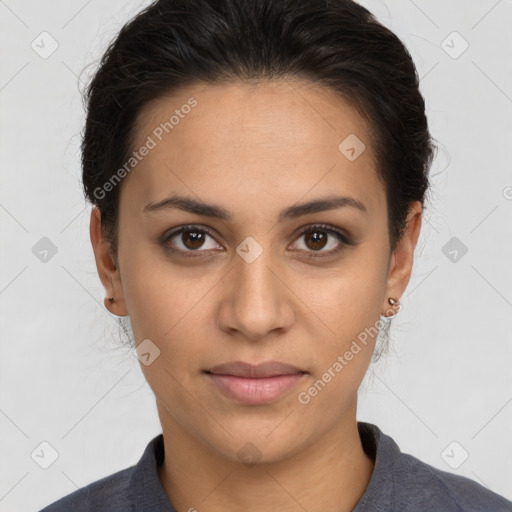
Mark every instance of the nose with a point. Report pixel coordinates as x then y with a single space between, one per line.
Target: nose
257 299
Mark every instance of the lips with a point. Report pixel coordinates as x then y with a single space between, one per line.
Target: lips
260 371
255 384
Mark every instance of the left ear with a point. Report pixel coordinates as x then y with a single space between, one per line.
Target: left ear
400 267
108 271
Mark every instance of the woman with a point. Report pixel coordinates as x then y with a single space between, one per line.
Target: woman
258 171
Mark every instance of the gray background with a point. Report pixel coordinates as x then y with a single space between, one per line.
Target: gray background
445 389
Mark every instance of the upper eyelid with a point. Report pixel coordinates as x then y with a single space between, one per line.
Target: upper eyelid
187 227
344 237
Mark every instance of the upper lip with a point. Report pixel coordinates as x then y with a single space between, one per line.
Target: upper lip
266 369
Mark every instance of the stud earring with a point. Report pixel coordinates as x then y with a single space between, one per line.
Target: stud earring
392 302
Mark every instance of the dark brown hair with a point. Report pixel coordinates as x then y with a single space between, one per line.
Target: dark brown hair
335 43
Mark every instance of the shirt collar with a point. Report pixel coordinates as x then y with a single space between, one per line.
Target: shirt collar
385 454
146 491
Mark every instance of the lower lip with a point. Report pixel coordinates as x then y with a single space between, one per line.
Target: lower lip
255 391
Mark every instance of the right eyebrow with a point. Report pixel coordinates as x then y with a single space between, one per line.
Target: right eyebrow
204 209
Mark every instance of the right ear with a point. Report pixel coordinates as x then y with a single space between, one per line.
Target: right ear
108 271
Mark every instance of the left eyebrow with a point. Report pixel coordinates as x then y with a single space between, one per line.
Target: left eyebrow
204 209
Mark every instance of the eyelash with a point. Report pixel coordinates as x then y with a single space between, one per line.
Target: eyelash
343 239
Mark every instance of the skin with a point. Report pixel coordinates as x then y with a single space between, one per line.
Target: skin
256 148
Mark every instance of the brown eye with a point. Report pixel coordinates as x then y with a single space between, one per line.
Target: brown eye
192 239
189 239
317 238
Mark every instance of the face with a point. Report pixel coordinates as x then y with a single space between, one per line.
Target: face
265 281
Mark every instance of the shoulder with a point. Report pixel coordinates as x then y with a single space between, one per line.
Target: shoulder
106 494
135 488
444 489
402 482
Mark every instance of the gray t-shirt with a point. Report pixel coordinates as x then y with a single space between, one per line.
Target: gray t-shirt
399 483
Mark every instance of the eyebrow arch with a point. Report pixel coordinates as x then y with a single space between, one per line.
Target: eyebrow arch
215 211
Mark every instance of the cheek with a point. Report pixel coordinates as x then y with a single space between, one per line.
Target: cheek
148 287
345 307
347 299
167 306
166 303
343 345
161 303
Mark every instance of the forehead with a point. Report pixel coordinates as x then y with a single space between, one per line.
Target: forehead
285 137
277 113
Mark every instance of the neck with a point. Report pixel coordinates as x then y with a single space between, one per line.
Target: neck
331 474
